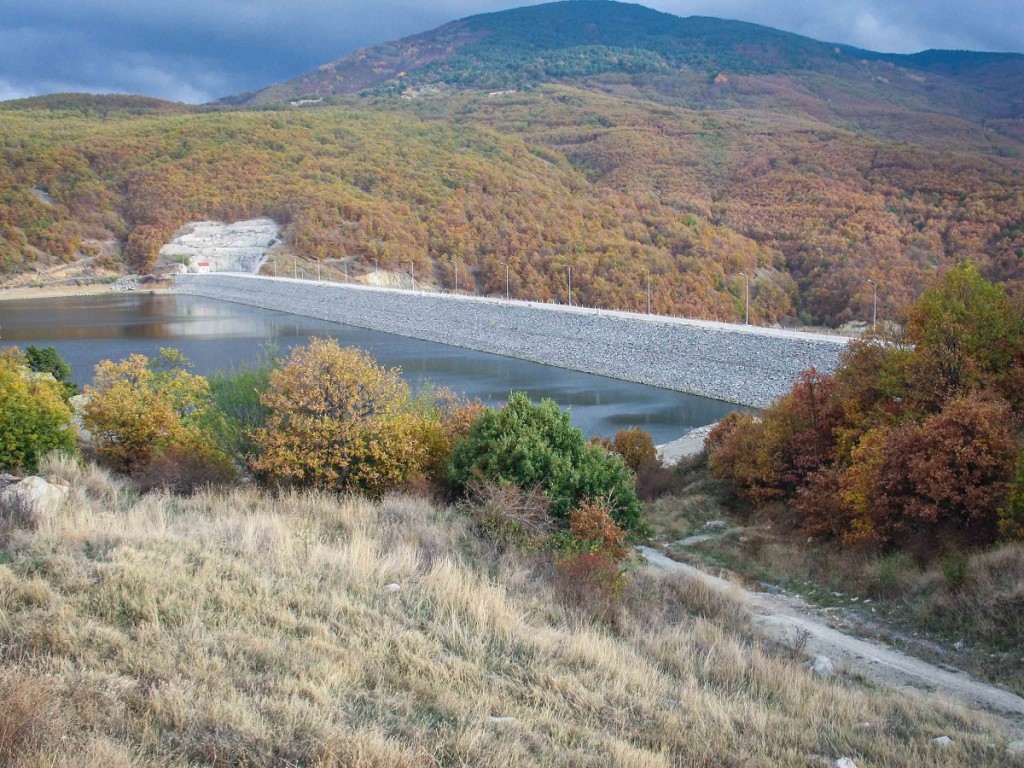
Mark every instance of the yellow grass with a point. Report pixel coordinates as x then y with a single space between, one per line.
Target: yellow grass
240 629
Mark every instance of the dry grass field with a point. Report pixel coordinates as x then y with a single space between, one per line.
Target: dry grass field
242 629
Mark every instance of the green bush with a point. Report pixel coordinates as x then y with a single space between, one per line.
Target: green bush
239 411
34 418
535 445
47 360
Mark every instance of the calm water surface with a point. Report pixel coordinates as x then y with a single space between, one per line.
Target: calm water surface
217 335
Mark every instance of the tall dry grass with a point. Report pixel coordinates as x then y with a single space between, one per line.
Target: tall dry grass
242 629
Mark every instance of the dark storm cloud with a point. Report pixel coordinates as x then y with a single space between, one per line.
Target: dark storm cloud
196 50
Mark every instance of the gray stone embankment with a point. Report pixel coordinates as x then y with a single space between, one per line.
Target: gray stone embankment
738 364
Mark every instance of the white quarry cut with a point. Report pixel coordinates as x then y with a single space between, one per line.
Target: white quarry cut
212 246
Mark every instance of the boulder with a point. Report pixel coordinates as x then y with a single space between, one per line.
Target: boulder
27 502
942 741
716 525
1015 751
844 762
822 666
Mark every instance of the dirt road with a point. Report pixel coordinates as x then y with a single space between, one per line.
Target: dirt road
782 619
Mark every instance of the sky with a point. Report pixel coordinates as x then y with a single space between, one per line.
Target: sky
200 50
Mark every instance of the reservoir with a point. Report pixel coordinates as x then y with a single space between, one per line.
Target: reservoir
217 336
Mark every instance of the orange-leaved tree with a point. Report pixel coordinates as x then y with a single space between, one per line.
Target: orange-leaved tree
913 442
635 446
339 421
34 418
138 408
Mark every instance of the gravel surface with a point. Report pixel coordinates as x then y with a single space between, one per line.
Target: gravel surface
738 364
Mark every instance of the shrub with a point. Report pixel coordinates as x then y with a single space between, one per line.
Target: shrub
338 421
138 408
47 360
535 445
510 516
444 419
949 475
1011 517
635 446
966 335
185 468
592 582
739 451
239 411
594 530
34 418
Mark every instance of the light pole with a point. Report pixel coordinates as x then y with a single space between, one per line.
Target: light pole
569 269
295 269
318 270
375 272
746 281
506 281
412 273
648 289
456 261
874 303
275 266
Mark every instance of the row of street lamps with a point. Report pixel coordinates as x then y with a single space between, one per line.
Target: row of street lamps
568 268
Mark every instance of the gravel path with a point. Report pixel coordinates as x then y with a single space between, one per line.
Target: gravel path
785 620
738 364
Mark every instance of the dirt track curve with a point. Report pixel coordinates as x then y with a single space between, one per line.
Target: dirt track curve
779 618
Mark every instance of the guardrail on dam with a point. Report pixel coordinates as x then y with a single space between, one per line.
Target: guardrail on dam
739 364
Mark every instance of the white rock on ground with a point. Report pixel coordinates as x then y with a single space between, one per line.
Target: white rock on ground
844 762
943 741
31 500
1015 749
392 587
822 666
238 247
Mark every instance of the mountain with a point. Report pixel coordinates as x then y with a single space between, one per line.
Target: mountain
697 62
606 136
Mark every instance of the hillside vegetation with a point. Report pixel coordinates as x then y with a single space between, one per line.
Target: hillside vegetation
623 141
240 628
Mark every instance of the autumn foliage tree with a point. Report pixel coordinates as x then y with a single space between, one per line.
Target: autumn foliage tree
34 418
338 421
635 446
913 442
139 409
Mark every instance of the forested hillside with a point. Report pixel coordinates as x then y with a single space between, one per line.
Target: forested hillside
812 168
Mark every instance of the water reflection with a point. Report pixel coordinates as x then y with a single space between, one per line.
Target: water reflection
218 335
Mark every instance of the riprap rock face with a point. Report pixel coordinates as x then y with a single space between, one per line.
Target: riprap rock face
238 247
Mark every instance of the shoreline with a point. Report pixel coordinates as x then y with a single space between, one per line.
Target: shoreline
685 446
54 292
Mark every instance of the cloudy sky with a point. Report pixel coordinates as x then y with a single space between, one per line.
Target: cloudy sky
198 50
